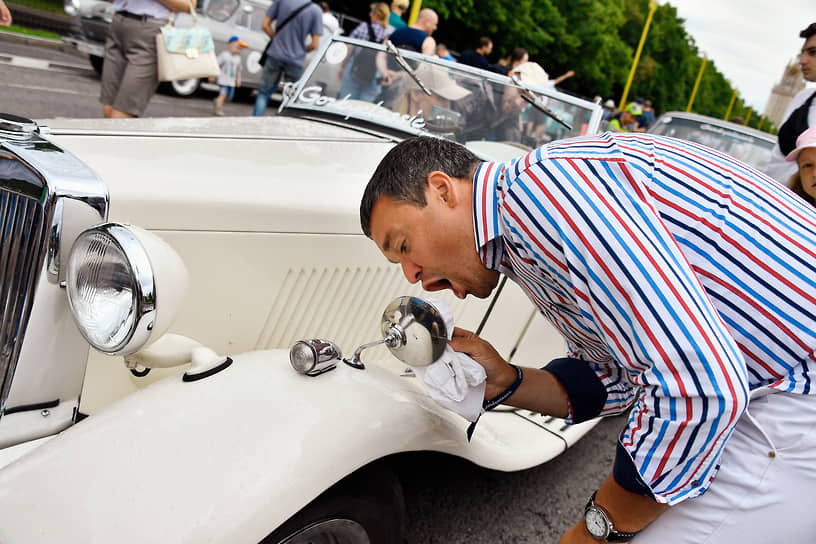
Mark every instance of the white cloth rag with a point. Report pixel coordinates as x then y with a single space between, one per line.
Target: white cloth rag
455 381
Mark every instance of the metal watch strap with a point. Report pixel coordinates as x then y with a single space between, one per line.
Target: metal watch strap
614 535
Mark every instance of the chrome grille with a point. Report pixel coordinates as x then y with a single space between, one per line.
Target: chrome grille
22 232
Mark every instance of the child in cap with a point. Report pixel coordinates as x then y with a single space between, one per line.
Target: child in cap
229 62
803 182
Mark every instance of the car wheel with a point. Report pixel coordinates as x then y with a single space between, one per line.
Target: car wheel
366 507
185 87
96 63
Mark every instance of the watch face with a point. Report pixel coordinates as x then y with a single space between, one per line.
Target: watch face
596 523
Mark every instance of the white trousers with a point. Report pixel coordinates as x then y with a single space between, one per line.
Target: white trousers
764 490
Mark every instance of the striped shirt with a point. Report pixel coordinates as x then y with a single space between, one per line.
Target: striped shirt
680 277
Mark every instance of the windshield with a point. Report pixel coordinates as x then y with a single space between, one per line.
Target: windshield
744 147
465 104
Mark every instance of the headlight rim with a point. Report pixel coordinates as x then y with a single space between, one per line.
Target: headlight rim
143 282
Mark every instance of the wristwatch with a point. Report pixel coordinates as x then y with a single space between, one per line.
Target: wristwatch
600 526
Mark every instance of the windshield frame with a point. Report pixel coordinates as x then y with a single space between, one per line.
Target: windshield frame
291 106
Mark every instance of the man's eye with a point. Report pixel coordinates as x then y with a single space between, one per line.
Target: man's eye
403 248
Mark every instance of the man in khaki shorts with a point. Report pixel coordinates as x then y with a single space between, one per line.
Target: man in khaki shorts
130 74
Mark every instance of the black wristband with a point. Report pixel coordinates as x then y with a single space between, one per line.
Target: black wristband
507 393
498 399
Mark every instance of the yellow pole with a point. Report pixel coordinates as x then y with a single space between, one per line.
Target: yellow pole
761 120
730 105
748 118
416 5
696 84
652 9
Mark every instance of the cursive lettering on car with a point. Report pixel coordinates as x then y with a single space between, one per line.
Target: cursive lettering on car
313 96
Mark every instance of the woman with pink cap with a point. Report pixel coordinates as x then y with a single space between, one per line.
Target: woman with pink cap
803 182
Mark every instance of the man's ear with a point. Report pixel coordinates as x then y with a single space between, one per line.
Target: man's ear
444 188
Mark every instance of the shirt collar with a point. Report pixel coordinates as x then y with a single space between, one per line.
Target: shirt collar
488 183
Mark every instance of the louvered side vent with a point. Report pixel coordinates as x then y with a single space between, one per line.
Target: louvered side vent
342 305
21 246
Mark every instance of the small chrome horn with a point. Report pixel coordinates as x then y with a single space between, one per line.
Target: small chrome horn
315 356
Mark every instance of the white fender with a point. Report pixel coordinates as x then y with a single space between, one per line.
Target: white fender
230 457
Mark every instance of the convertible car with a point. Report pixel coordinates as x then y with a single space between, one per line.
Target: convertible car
186 304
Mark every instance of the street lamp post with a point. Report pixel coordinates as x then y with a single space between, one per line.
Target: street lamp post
696 84
652 9
416 5
730 105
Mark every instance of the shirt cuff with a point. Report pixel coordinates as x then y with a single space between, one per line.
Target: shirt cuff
585 391
626 474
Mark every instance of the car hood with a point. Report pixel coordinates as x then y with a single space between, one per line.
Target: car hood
270 174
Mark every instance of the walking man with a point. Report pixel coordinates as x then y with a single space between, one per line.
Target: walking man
294 20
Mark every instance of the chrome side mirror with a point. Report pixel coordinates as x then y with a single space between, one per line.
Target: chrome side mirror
413 329
421 328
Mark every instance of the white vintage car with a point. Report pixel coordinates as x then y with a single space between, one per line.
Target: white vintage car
192 255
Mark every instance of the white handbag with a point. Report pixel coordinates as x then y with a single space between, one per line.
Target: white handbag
185 53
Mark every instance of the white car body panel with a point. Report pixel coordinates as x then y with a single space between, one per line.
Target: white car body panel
217 473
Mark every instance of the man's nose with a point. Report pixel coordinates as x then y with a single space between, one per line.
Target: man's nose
412 271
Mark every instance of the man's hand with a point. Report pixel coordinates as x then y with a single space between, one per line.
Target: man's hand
500 375
539 390
389 78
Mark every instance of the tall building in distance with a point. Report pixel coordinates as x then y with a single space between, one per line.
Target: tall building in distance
783 92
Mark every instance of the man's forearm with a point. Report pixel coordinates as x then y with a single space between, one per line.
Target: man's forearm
539 392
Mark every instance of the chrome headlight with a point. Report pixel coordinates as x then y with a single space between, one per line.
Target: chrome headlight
115 275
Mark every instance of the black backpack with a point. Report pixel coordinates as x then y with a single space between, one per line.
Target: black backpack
365 65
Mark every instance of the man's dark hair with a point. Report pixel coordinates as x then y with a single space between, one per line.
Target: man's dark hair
403 173
517 54
808 32
484 41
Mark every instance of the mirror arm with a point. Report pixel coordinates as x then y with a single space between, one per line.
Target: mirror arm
395 338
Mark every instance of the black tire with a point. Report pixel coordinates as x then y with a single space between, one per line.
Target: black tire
96 63
365 507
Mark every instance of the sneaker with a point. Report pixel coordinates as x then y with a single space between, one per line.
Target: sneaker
219 113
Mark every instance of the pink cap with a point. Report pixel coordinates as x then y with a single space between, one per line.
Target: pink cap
805 140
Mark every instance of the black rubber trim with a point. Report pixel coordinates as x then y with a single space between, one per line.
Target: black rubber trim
207 373
140 373
32 407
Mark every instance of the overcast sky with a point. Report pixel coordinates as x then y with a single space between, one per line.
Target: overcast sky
750 41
